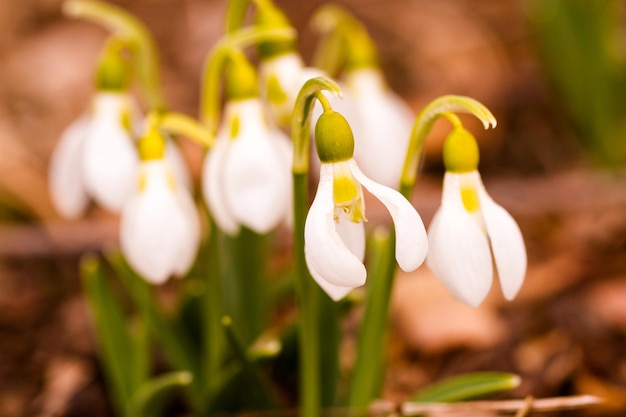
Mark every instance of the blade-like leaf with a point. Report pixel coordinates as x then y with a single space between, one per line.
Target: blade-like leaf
150 397
468 386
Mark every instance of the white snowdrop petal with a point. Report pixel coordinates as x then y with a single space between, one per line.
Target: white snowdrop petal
382 125
459 255
176 161
507 244
328 258
212 187
411 239
155 227
256 180
335 292
187 251
110 159
67 191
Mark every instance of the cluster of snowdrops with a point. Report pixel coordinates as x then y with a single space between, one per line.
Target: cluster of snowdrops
256 120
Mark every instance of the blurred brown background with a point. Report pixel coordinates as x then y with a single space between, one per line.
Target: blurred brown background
563 335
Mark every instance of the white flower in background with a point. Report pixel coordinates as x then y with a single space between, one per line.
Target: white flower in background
281 78
334 230
96 157
65 180
468 228
382 125
160 227
109 156
247 174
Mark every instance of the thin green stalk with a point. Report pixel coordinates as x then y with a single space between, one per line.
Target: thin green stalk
308 294
210 98
127 26
243 288
213 336
308 332
368 370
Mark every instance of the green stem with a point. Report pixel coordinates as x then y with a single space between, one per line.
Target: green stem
368 372
127 26
308 332
214 342
212 76
244 295
309 295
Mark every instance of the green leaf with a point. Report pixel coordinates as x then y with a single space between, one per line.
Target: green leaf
176 344
150 397
117 349
468 386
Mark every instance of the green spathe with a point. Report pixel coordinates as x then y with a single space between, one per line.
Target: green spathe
460 152
333 138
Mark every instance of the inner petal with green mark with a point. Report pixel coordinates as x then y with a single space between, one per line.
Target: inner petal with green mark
347 194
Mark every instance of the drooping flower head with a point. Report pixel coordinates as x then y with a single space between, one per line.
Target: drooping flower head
470 230
334 228
246 175
160 226
96 156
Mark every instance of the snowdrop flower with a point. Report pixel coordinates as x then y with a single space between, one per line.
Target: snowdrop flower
382 124
96 157
334 229
159 227
469 227
246 175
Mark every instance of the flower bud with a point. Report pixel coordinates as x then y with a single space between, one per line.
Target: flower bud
460 152
333 138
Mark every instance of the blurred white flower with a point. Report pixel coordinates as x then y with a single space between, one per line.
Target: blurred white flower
468 227
382 125
160 227
96 157
247 174
334 230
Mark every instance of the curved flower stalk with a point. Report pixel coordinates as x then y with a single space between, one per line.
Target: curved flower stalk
334 230
469 227
135 35
246 180
160 227
381 120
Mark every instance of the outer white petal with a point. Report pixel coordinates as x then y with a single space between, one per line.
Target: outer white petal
110 159
411 239
177 163
335 292
157 234
255 177
459 252
329 259
507 243
212 186
66 185
382 125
